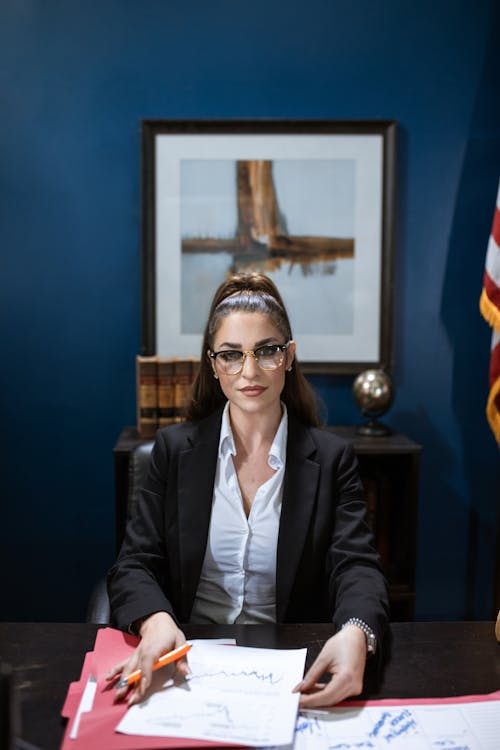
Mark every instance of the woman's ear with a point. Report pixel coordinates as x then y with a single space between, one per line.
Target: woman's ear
290 355
212 364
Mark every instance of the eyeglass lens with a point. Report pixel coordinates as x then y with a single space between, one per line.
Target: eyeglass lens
267 358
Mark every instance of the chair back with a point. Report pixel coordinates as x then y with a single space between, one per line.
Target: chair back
137 472
98 610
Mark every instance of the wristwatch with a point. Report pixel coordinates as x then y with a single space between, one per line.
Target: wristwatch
371 641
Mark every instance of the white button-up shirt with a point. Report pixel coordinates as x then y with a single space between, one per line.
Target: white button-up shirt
238 577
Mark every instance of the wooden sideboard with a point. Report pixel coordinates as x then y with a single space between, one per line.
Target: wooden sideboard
390 468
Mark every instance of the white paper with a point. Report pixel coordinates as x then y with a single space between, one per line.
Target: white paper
85 705
234 694
444 726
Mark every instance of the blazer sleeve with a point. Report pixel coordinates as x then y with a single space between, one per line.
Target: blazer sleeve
357 585
139 580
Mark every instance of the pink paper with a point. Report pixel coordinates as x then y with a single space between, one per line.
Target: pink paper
495 696
76 689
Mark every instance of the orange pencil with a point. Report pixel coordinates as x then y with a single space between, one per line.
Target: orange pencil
165 659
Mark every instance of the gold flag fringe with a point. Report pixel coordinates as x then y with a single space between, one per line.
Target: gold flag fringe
491 314
489 311
491 410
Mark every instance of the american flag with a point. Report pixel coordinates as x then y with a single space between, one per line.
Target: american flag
490 308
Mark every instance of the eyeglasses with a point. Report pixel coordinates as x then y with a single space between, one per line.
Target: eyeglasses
231 361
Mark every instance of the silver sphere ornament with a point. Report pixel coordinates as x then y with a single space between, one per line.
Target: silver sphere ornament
373 394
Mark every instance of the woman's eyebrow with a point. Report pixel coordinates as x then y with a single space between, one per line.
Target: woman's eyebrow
229 345
257 345
263 342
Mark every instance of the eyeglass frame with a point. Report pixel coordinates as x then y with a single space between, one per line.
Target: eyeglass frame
279 347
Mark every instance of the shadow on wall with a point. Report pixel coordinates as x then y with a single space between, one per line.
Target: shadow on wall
470 335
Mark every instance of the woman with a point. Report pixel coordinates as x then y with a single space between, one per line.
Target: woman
250 512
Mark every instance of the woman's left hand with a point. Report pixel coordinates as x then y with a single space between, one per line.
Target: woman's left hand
344 656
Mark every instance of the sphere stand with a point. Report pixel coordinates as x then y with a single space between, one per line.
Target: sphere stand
373 428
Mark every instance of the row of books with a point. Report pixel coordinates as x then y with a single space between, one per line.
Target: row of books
163 388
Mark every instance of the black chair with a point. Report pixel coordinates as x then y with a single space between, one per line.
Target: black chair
137 470
98 610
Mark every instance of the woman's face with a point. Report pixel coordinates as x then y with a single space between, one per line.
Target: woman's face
253 390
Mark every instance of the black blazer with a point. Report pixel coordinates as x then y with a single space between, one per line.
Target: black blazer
327 568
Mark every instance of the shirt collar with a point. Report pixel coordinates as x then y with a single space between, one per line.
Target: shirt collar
226 440
277 453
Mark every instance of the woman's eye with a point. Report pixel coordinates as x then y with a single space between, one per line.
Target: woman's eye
231 356
266 351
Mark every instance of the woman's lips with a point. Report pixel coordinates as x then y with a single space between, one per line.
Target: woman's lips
253 390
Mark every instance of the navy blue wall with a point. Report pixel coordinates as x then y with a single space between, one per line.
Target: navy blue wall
76 78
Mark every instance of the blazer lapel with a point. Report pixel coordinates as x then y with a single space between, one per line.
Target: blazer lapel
197 466
299 492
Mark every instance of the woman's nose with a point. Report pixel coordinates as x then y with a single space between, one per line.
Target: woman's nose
249 362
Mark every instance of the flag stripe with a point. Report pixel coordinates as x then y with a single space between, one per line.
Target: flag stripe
495 230
494 358
493 260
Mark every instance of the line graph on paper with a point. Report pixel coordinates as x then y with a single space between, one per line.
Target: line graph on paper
213 712
249 680
233 694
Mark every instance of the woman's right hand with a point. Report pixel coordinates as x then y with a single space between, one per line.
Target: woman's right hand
159 634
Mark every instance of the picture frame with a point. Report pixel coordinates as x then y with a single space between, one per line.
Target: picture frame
308 202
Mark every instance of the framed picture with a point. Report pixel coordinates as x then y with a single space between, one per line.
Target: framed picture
308 202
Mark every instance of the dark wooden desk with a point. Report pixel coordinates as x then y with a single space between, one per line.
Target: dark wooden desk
422 659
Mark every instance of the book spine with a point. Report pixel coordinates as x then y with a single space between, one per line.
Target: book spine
166 392
147 396
183 369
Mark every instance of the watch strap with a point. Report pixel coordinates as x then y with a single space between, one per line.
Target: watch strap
371 641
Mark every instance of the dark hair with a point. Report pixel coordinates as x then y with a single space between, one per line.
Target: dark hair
249 292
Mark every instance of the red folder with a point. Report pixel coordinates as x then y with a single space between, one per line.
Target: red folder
97 727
